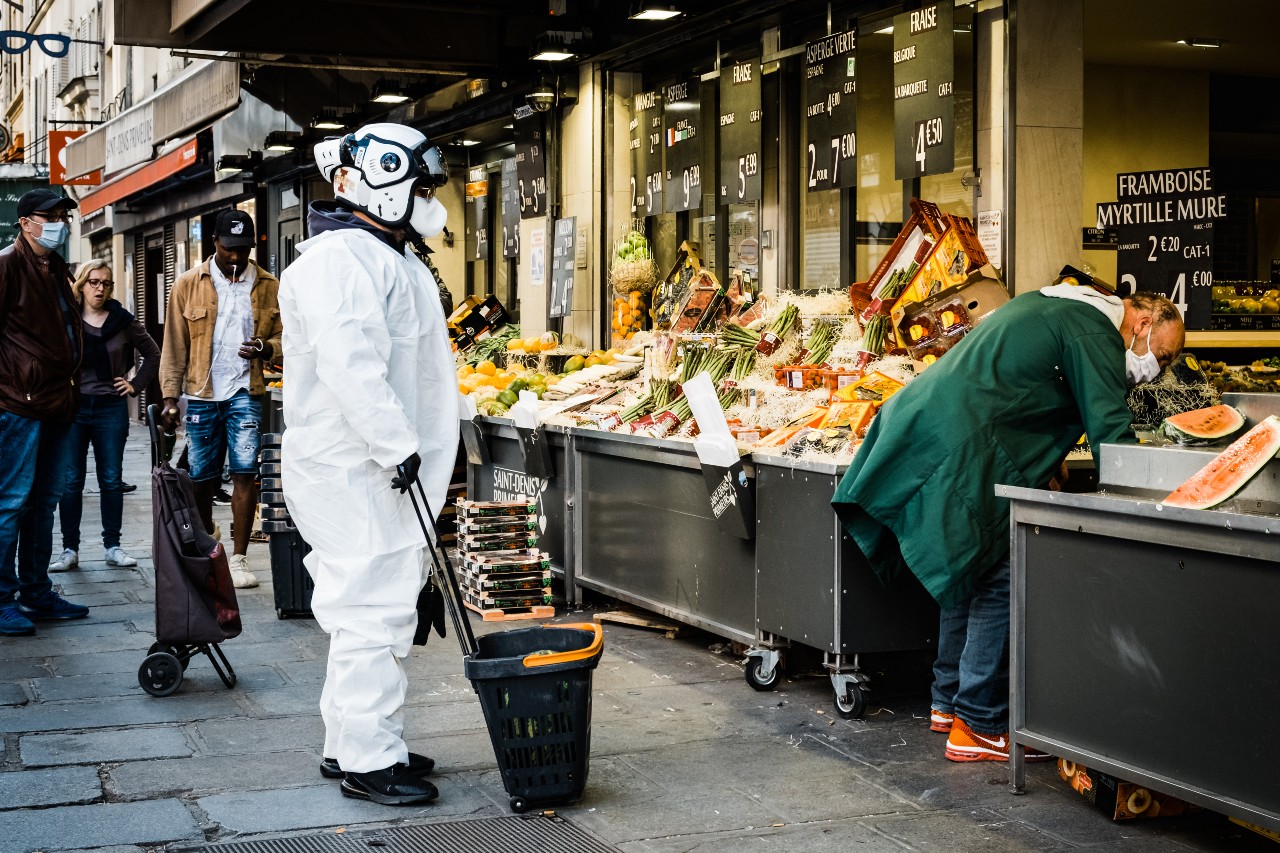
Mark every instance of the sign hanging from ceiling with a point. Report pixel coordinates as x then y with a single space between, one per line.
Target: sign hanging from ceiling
924 72
682 118
646 153
740 140
831 94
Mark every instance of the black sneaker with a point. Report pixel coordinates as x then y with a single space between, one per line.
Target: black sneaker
125 488
13 623
221 498
397 785
52 606
420 764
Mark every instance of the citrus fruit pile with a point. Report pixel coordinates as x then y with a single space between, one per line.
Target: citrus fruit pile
628 315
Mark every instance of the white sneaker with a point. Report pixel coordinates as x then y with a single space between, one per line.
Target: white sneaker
117 557
66 561
241 577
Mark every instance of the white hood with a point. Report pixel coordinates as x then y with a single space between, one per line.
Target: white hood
1111 306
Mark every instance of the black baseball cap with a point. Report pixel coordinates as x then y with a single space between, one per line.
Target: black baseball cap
42 200
234 228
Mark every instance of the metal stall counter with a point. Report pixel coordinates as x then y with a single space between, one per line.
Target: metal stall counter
815 588
1143 639
644 533
505 475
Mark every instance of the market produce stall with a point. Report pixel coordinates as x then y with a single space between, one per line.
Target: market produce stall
1143 642
844 609
644 533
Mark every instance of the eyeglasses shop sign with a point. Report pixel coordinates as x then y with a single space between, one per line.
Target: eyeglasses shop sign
129 139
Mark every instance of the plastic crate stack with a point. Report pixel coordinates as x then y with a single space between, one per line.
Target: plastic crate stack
290 578
504 573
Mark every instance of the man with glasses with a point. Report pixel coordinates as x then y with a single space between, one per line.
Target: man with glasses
41 348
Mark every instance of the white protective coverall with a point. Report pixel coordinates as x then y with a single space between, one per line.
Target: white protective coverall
370 382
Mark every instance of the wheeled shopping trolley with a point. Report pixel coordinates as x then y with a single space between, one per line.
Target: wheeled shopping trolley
196 607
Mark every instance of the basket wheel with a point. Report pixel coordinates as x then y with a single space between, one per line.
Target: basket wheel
171 649
519 805
160 674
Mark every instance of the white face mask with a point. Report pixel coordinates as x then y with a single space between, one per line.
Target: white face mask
429 217
52 234
1140 369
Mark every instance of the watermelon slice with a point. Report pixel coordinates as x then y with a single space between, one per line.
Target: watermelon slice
1228 472
1203 426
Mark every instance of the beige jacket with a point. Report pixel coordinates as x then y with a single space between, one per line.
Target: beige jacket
187 354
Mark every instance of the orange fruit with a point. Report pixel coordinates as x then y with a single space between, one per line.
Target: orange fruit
515 345
615 325
465 370
488 368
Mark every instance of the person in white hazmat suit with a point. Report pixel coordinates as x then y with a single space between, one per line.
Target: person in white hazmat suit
371 389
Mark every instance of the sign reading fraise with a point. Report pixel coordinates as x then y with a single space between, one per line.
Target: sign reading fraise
740 143
924 115
830 114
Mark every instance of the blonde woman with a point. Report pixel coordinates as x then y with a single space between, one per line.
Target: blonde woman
111 337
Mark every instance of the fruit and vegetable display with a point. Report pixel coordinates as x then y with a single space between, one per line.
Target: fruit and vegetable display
1229 471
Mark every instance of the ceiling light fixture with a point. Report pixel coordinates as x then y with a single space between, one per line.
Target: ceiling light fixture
329 121
230 164
1197 42
550 55
388 92
467 143
654 12
281 140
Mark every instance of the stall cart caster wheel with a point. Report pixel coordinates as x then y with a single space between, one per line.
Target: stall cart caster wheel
758 682
160 674
852 704
519 805
173 650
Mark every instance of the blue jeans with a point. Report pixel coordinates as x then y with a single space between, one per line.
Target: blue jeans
103 421
971 673
33 471
213 429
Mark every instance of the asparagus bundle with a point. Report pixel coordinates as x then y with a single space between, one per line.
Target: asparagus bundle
874 333
822 341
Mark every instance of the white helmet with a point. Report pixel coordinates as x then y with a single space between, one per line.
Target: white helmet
379 169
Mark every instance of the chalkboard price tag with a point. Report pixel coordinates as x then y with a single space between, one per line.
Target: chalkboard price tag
740 140
831 91
681 116
646 154
924 118
563 250
510 209
531 164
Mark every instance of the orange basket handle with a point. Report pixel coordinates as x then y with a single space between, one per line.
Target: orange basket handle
597 643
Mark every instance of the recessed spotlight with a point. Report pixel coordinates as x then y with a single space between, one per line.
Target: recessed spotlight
1197 42
551 56
655 12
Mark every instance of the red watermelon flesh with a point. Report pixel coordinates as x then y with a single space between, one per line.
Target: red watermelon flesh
1228 472
1203 425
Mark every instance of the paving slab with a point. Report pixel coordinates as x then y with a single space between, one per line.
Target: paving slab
33 666
97 599
965 831
51 787
12 694
125 711
323 805
213 774
824 837
99 747
57 688
445 717
95 663
252 736
72 827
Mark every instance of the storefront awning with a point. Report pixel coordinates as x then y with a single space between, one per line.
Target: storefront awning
167 165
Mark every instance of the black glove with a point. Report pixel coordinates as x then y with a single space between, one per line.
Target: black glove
407 473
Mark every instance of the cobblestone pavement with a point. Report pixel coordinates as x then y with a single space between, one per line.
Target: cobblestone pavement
685 756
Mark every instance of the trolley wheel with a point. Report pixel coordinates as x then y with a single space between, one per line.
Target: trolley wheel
519 805
752 673
173 650
852 704
160 674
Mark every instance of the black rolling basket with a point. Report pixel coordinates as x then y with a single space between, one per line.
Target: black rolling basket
290 579
534 686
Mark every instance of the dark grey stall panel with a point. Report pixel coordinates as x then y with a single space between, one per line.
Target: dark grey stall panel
813 584
504 477
1160 657
648 537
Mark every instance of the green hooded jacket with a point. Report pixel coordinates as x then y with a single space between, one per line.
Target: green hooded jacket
1002 407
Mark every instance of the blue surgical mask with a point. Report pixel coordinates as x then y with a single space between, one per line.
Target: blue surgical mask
52 234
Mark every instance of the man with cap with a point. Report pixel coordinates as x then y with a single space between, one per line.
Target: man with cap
40 351
223 325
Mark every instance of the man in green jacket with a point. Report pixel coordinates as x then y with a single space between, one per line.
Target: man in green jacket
1004 406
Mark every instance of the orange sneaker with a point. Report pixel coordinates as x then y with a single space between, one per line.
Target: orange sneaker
964 744
940 721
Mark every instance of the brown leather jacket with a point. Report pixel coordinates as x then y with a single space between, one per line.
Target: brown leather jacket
41 340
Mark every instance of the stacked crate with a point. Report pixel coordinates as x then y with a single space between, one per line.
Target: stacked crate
504 574
289 577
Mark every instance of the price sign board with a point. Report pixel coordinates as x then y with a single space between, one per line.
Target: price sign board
531 164
1164 236
646 154
740 143
477 215
510 209
924 72
830 114
562 256
682 116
